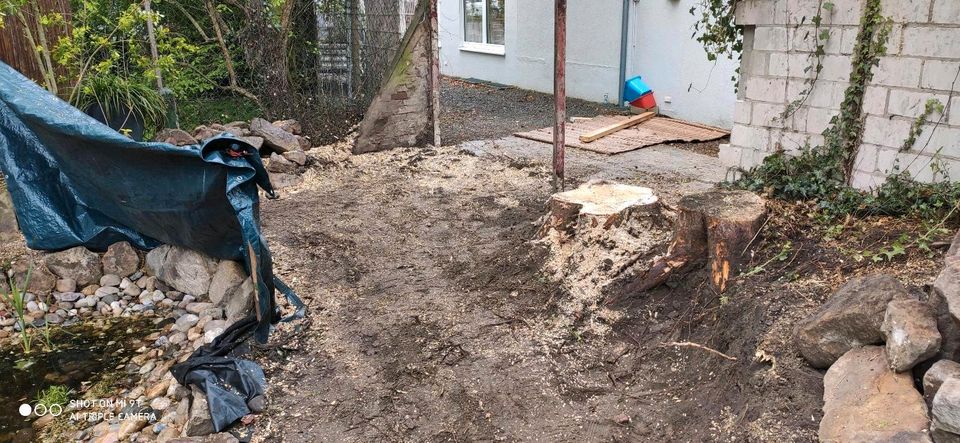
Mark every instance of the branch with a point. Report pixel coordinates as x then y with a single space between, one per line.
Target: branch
699 346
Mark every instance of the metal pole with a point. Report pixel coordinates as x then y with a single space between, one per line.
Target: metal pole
559 91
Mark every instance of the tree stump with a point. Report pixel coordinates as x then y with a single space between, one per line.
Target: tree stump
596 204
716 226
592 234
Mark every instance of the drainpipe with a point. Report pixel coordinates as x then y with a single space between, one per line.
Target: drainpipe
624 31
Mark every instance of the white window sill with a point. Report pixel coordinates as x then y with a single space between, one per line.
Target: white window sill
483 48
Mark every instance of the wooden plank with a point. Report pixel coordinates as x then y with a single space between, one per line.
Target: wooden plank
607 130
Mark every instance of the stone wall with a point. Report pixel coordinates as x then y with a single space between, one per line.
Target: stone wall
404 113
922 62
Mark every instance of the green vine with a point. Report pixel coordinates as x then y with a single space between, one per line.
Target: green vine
715 28
932 106
816 65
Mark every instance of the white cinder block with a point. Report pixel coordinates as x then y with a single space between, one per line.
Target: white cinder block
885 132
800 10
939 74
742 112
849 40
941 139
779 64
898 71
930 41
886 159
906 11
750 137
823 95
846 12
911 104
768 114
818 120
954 112
866 181
766 89
875 100
946 11
836 68
866 158
770 38
730 155
918 165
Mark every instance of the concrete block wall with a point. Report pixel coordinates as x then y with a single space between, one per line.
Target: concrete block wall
922 62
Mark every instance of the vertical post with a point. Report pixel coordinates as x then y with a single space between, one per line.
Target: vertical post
559 91
435 71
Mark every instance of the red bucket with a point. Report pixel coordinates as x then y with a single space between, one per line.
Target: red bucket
646 101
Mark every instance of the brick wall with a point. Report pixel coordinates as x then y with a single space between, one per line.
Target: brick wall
404 112
922 62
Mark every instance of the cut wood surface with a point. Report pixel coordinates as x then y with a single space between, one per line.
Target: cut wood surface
715 226
607 130
596 203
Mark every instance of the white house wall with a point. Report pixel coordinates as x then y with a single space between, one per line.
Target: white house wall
593 47
674 64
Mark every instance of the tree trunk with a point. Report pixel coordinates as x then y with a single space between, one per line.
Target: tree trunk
716 227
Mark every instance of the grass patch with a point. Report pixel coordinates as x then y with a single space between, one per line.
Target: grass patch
216 109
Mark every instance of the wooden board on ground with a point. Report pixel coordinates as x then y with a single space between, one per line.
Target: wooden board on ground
610 129
655 131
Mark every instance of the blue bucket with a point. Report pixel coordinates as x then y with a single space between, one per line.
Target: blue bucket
634 89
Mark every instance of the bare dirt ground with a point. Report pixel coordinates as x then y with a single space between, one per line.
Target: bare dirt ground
428 316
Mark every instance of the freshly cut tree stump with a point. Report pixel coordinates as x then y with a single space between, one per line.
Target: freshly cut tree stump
716 226
597 204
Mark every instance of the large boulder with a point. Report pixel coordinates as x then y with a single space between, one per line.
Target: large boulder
200 422
76 263
849 319
910 328
240 304
279 163
948 326
121 259
291 126
946 406
947 285
273 137
226 281
940 372
185 270
176 137
865 401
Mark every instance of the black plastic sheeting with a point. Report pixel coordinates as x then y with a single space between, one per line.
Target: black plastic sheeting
76 182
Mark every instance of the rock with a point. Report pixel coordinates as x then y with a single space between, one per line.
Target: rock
304 143
257 404
280 164
109 280
283 181
185 322
53 319
106 291
240 305
157 390
226 281
8 217
256 142
936 375
176 137
132 424
849 319
198 307
69 297
223 437
88 302
946 406
66 285
121 259
292 126
941 436
89 289
42 281
160 403
865 401
953 254
203 132
200 422
77 263
273 137
297 157
185 270
910 328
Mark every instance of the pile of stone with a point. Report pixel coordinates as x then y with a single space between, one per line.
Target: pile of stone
280 143
875 336
193 296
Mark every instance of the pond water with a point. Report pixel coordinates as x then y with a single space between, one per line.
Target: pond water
84 354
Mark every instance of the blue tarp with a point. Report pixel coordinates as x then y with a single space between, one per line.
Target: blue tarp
76 182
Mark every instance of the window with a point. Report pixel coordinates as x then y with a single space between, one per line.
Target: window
483 26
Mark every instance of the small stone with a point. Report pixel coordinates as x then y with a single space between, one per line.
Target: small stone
53 319
87 302
69 296
257 404
298 158
66 285
185 322
121 259
910 327
157 390
109 280
107 290
279 164
176 137
160 403
178 338
125 283
198 307
132 291
41 281
90 289
292 126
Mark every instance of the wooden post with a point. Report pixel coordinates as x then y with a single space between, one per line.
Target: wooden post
559 91
434 70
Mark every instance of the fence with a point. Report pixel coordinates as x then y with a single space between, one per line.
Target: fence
17 50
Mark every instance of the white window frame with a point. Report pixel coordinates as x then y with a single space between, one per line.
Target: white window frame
483 48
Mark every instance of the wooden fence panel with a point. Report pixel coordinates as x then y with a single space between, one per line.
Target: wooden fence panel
15 49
